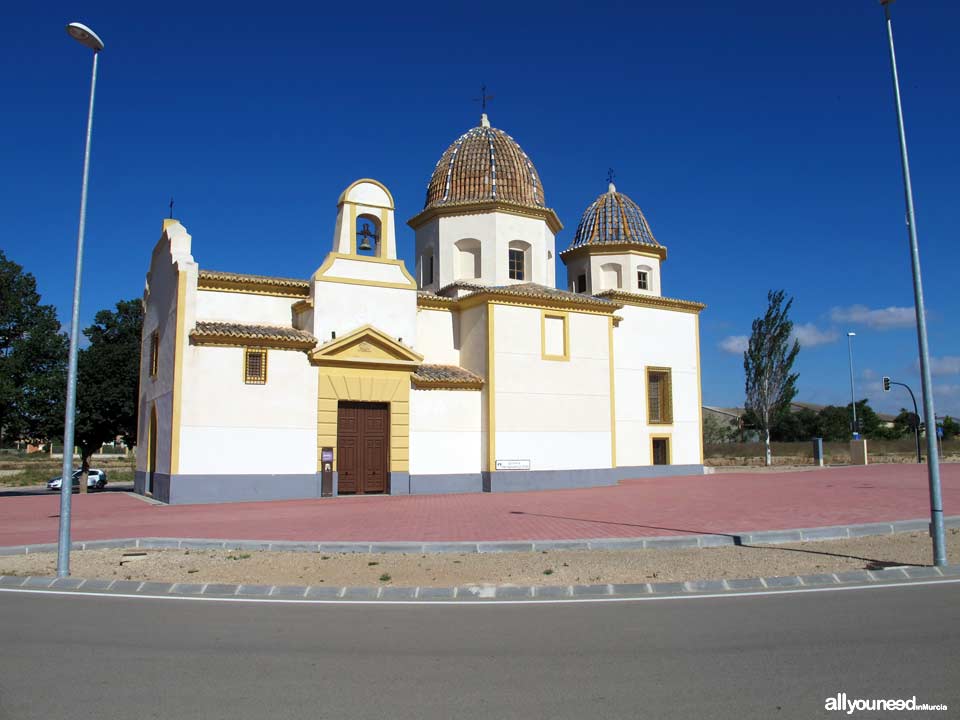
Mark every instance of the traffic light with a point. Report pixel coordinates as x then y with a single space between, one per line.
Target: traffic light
886 384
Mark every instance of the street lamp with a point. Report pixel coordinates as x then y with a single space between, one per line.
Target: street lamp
926 386
87 37
853 398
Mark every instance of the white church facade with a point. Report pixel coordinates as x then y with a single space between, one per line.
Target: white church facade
469 372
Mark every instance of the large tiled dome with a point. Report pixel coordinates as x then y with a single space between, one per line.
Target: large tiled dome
613 218
484 164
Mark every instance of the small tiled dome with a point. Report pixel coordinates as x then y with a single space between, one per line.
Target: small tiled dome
484 164
613 218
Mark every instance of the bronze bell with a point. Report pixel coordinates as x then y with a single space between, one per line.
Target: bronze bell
366 235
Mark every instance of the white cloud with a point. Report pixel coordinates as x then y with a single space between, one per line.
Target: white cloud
809 335
879 319
735 344
946 365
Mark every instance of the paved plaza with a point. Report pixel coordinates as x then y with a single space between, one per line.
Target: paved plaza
718 503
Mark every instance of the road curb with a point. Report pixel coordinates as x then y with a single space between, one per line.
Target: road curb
389 593
668 542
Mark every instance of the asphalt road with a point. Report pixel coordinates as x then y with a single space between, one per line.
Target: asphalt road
739 657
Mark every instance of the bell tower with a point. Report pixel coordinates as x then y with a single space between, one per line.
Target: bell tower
361 281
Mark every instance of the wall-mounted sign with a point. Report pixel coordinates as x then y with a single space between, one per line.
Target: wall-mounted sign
326 455
513 464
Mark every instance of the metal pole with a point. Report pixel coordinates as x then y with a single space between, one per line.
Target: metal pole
66 482
853 398
926 386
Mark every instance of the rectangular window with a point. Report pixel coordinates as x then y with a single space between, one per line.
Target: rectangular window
581 283
154 353
429 270
660 447
642 280
516 264
255 366
659 396
555 336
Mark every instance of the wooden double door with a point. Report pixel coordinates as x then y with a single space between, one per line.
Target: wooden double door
363 442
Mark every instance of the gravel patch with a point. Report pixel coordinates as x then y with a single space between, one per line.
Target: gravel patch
547 567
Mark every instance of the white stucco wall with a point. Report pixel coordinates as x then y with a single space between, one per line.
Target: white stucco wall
244 308
494 231
659 338
231 427
342 308
438 336
445 432
554 413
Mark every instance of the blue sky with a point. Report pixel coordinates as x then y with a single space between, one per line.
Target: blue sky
759 138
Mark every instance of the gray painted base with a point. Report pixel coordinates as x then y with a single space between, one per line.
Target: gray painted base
519 480
190 489
445 484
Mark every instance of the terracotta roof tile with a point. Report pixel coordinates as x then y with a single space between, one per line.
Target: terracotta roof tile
445 375
254 334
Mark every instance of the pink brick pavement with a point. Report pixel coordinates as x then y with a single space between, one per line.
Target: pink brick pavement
720 503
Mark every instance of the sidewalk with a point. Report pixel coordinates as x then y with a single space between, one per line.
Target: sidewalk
720 503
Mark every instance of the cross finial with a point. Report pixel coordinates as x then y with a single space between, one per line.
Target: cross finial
171 208
483 98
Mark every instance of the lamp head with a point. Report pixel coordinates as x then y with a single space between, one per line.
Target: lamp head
85 36
851 334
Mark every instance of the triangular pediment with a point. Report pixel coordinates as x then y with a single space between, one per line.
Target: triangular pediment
367 346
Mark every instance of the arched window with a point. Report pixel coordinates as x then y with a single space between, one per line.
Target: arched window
468 259
611 276
518 261
426 267
367 236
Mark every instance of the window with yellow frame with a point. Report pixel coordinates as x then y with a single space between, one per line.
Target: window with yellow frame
659 396
554 335
255 366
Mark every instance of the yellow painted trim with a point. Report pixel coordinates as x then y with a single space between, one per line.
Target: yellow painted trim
652 301
243 370
699 387
492 296
180 339
491 394
565 317
664 436
655 251
391 386
320 274
613 398
154 354
482 206
384 235
647 369
343 196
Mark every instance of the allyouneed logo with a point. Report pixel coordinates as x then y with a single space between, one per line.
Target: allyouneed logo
842 703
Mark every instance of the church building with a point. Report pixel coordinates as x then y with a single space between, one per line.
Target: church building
468 372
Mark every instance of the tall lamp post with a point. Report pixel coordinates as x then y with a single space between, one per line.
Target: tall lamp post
926 386
853 397
87 37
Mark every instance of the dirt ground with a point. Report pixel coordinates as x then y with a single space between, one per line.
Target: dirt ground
449 569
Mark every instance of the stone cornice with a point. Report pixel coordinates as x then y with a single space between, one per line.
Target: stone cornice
252 284
658 251
474 207
652 301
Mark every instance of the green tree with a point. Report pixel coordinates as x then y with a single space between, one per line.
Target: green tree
108 379
768 364
716 430
951 428
834 423
906 422
33 358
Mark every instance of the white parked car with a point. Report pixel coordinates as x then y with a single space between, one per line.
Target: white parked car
96 480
